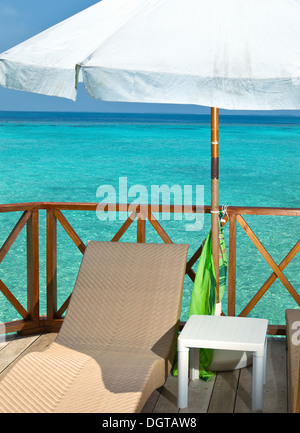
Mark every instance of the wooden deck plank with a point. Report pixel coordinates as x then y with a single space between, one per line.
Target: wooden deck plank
200 394
4 340
243 401
13 350
19 347
275 389
152 401
167 401
275 392
226 392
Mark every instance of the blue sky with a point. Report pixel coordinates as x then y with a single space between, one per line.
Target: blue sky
22 19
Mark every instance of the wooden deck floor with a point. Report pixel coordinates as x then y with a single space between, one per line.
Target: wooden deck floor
227 392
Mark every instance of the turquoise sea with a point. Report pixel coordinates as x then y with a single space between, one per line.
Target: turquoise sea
68 156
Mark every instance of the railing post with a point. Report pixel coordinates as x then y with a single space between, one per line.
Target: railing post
141 228
232 264
33 266
51 265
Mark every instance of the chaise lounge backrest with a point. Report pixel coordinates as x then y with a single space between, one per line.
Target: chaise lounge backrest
126 296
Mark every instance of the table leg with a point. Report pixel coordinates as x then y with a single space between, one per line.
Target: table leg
183 369
265 362
258 375
194 363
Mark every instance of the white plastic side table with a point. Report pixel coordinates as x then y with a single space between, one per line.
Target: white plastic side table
222 332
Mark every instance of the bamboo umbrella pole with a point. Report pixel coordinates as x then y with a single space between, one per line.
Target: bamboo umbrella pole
215 191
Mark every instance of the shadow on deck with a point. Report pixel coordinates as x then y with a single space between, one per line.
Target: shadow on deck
226 392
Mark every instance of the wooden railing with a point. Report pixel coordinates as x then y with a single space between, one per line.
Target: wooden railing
33 322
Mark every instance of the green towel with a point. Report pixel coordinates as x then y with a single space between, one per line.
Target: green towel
204 294
203 299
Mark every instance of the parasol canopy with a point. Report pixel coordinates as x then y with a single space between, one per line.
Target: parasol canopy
233 54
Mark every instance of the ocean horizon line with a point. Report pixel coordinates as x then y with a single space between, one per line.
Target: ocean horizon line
155 117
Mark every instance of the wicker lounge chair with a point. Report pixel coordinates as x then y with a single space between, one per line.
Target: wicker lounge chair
118 339
293 344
